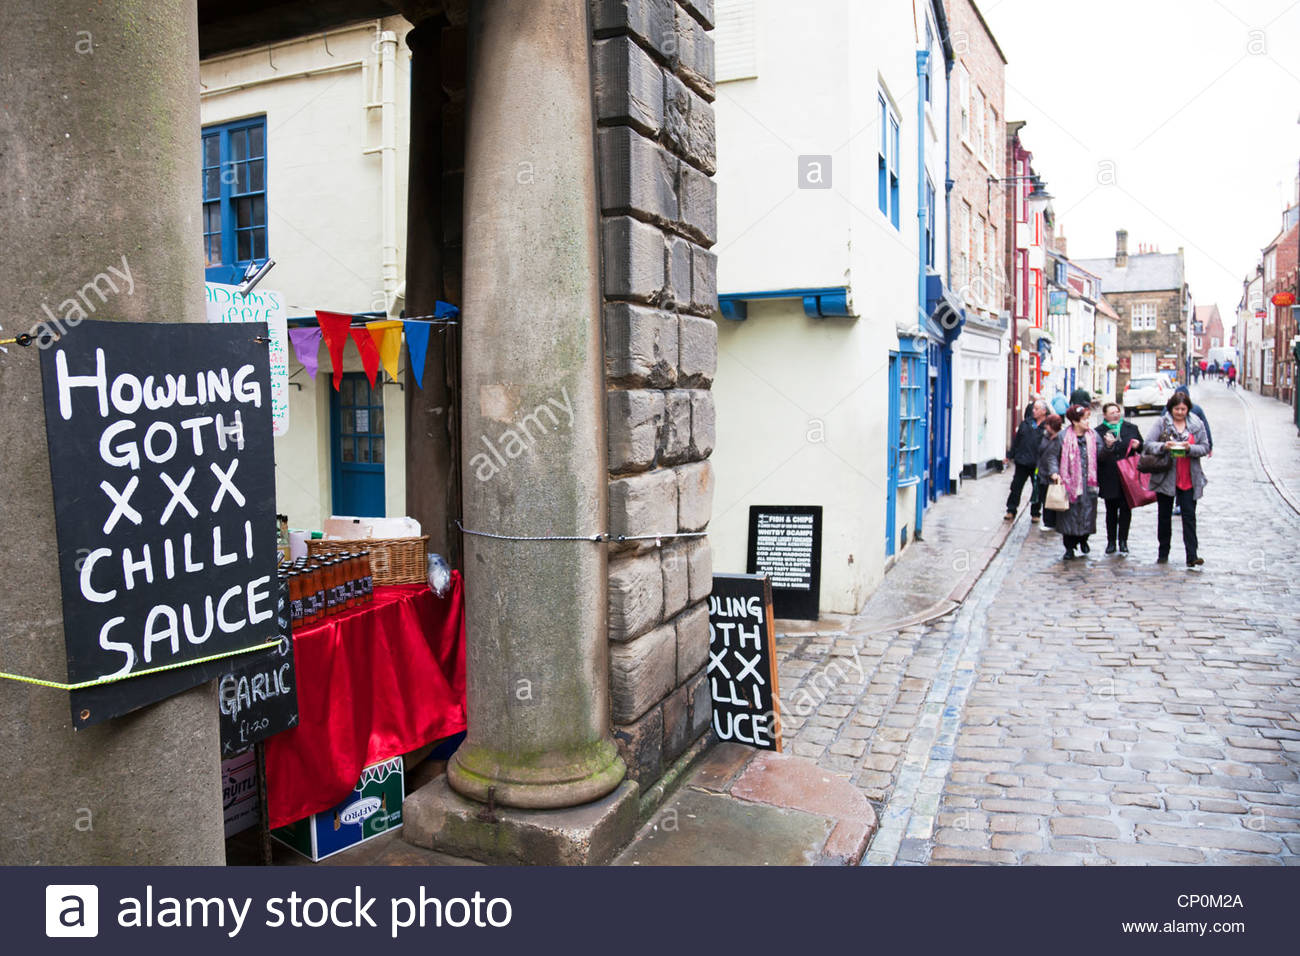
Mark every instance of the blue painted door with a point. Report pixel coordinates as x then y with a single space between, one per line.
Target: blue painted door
357 437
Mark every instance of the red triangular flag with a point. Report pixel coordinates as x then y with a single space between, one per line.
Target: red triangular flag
334 327
369 354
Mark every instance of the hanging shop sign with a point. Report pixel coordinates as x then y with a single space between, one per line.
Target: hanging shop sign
1283 299
742 661
258 697
164 502
227 304
1058 302
785 543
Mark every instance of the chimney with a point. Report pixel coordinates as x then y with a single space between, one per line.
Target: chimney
1121 248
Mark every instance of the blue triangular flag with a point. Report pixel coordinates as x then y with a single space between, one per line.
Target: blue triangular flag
442 310
417 346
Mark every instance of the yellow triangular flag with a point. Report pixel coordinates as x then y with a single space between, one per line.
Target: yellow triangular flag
387 334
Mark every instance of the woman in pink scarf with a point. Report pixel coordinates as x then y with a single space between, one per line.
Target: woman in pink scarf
1072 462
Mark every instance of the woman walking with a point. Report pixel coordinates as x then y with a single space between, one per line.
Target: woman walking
1072 462
1119 439
1051 428
1180 437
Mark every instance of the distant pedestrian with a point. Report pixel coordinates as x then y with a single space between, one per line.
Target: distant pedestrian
1024 453
1182 436
1203 367
1060 405
1072 462
1232 376
1080 396
1051 428
1119 439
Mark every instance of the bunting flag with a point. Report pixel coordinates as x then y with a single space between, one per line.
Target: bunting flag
306 346
417 345
444 310
387 334
334 328
369 354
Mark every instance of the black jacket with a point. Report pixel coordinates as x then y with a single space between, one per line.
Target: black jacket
1024 449
1108 481
1080 396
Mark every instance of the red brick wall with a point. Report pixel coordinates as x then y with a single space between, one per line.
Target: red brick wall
975 50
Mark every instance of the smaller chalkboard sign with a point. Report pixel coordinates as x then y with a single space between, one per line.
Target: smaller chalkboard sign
259 697
785 543
742 661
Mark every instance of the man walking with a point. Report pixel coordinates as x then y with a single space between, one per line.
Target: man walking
1024 452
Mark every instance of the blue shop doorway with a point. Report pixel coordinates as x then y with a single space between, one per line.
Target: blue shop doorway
357 447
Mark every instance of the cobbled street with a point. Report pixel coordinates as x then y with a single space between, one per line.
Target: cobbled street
1109 710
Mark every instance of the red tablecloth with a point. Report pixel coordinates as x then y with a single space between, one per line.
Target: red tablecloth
374 682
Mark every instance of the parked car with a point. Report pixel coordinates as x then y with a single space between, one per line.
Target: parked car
1147 393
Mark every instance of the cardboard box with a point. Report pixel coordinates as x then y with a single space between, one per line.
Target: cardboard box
239 792
372 808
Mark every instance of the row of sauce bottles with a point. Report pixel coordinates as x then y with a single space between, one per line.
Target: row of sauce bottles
323 585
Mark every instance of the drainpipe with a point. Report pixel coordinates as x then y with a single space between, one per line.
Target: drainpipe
388 150
922 67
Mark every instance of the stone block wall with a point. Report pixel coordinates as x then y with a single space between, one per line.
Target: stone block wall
653 66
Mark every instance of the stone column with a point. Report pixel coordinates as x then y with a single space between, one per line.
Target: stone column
100 139
533 442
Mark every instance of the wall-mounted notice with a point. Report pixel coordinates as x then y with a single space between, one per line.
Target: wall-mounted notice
785 543
164 502
226 304
742 661
258 696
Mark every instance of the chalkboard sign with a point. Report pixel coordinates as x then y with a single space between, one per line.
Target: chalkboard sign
164 501
785 543
258 697
742 661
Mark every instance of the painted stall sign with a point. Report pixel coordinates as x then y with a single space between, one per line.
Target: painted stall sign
164 503
226 304
258 697
785 543
742 661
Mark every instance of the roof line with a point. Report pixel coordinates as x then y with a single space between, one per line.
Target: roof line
984 23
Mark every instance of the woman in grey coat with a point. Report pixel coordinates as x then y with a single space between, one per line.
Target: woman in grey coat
1181 437
1072 462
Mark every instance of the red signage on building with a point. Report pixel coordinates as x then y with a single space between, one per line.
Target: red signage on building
1284 299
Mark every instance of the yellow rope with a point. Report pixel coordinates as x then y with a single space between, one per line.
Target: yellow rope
144 673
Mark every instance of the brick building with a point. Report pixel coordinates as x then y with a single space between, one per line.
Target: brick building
1149 292
1280 271
976 238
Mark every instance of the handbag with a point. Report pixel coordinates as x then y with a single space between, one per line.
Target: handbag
1157 464
1135 483
1150 464
1056 499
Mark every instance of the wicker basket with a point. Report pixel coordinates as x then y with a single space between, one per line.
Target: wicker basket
392 560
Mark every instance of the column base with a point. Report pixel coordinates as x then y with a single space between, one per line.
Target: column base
556 781
438 818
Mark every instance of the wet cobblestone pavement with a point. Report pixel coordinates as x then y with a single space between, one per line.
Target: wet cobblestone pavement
1103 711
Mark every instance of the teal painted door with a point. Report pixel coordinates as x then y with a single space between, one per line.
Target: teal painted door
357 437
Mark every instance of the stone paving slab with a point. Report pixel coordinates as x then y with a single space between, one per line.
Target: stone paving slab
744 807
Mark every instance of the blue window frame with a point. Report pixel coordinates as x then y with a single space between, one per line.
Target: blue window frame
234 197
913 388
929 66
887 162
930 205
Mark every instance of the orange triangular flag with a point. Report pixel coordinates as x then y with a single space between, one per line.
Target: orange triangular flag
387 334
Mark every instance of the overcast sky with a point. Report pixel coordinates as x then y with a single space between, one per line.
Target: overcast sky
1177 121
